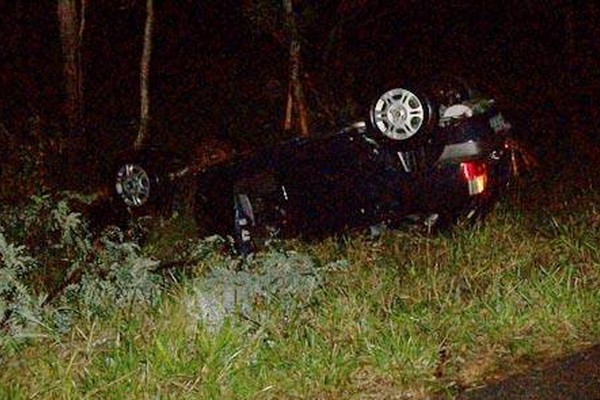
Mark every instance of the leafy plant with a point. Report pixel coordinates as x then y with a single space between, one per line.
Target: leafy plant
228 289
52 266
118 277
18 304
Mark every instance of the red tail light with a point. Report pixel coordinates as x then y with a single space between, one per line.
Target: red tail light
476 174
473 169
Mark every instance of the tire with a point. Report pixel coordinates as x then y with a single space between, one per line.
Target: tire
142 186
133 184
403 115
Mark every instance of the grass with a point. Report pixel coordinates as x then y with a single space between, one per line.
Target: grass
404 316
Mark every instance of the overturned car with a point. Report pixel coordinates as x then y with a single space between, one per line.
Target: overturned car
428 157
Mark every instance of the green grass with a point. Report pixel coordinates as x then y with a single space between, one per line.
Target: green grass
404 316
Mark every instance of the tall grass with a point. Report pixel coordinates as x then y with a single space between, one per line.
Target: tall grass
402 316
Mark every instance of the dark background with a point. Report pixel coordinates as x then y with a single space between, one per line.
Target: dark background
219 70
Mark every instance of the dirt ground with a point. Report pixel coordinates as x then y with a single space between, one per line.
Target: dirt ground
574 377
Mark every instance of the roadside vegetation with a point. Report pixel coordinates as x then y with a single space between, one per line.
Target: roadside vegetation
402 315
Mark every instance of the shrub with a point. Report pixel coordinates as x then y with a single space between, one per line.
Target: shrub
52 265
18 304
117 277
230 289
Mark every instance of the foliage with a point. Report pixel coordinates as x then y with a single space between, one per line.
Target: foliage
54 235
44 244
288 279
118 277
18 305
40 243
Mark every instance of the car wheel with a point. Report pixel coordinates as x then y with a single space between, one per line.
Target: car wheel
400 114
133 184
141 189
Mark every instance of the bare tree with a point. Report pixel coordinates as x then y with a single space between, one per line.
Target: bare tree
265 15
71 37
144 75
296 102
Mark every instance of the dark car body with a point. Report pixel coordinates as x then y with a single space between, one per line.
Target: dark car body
352 178
425 161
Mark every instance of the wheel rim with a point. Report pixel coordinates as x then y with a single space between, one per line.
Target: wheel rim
133 185
398 114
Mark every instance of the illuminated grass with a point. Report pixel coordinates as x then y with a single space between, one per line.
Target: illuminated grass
401 317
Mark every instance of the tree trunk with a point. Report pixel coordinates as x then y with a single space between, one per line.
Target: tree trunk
71 32
296 103
144 76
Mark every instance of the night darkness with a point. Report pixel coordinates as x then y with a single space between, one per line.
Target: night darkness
215 73
373 315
